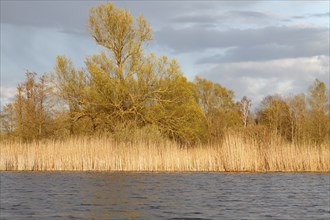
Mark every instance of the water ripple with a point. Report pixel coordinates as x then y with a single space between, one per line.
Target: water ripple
102 195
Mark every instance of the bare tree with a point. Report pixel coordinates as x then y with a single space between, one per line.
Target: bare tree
244 106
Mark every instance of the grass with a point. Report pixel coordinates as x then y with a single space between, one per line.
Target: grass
105 154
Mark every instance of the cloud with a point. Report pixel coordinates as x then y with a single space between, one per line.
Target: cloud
35 49
326 14
299 17
46 14
249 15
249 44
259 79
6 95
223 17
307 16
74 14
268 52
192 18
76 32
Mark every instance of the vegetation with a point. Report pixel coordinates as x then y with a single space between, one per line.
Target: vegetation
128 110
235 154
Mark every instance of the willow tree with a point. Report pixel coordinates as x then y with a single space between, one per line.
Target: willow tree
171 104
115 29
123 87
155 93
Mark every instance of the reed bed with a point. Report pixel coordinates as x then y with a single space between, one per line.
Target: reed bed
104 154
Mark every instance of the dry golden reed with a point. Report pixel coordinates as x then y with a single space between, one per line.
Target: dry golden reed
104 154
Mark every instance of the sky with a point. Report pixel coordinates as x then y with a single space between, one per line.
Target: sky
255 48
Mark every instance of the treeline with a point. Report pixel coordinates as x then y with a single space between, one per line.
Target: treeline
123 90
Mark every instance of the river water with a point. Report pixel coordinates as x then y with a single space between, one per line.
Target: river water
120 195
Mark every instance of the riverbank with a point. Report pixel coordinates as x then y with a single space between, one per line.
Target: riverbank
105 154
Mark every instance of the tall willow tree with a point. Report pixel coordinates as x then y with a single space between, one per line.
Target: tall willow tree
115 29
122 87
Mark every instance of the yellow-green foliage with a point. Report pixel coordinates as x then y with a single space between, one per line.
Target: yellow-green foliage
105 154
123 87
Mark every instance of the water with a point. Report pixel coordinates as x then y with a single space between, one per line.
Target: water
101 195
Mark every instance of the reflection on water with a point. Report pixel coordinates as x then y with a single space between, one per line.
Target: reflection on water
101 195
